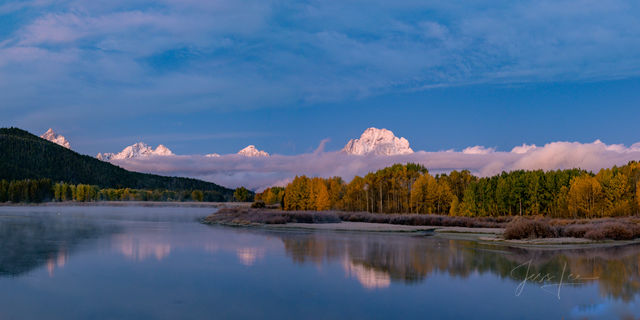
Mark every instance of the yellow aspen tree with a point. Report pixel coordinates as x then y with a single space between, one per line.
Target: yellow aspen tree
638 194
418 191
584 196
321 195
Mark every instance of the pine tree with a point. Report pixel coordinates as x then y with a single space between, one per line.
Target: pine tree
4 191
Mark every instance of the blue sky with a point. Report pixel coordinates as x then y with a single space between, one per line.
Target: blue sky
214 76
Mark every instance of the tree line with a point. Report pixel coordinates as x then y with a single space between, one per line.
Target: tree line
29 190
410 188
43 190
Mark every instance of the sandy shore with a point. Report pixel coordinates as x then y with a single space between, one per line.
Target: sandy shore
384 227
353 226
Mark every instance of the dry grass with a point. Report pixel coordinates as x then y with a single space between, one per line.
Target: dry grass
264 216
261 216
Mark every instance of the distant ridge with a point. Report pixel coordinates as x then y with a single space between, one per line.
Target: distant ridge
26 156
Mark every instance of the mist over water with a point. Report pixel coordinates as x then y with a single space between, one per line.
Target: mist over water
130 262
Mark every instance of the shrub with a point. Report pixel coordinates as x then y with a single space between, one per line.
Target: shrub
522 228
310 217
574 230
240 216
258 205
611 230
425 220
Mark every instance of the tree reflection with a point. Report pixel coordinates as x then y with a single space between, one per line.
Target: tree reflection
371 258
28 243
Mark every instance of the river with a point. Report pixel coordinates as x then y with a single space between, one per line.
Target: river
135 262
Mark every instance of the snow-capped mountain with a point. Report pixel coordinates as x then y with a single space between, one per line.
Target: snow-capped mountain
378 142
56 138
137 150
252 151
212 155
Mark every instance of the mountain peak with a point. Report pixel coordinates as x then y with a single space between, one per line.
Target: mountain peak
252 151
56 138
378 142
161 150
136 150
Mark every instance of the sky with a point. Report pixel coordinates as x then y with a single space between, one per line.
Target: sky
207 76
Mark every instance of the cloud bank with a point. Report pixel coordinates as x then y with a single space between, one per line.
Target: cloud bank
259 173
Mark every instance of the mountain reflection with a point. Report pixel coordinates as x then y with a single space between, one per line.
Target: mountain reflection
378 260
28 243
57 262
249 256
140 248
368 277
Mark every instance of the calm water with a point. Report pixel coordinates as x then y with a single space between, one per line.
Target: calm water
136 262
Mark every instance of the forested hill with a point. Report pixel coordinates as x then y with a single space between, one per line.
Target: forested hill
26 156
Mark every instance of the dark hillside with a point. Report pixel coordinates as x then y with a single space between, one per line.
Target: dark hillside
26 156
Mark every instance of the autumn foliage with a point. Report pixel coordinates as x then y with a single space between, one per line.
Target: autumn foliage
410 188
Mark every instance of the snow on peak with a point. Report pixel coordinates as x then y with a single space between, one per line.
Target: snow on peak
56 138
252 151
136 150
212 155
378 142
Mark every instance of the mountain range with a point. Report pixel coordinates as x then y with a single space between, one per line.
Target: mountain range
26 156
373 141
136 150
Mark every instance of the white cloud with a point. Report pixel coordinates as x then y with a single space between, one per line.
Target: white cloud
524 148
478 150
259 173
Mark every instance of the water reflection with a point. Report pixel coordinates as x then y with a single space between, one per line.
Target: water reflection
249 256
142 247
59 261
378 260
131 243
368 277
29 243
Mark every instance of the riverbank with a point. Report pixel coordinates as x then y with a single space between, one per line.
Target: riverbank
537 233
